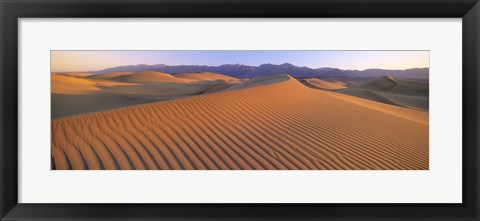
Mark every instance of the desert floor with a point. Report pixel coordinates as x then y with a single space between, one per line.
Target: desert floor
151 120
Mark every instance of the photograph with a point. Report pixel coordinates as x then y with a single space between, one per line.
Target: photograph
239 109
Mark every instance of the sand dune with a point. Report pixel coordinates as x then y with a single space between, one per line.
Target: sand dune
80 95
164 88
325 84
64 105
76 74
397 86
63 84
259 81
205 76
392 91
273 122
221 86
151 76
109 75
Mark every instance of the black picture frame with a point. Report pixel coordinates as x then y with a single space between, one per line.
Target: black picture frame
12 10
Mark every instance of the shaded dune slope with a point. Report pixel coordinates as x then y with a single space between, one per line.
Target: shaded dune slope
392 91
281 125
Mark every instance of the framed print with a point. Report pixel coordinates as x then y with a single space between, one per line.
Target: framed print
225 110
96 124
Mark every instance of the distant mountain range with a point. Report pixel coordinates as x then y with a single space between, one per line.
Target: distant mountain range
245 71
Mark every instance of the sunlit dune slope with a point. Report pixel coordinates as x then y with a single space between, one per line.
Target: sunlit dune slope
163 89
150 76
324 84
63 84
280 125
260 81
393 91
76 74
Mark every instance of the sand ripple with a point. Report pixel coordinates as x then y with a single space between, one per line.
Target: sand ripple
278 126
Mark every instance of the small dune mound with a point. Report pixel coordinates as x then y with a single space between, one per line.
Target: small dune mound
385 83
325 84
259 81
109 75
62 84
404 93
150 76
205 76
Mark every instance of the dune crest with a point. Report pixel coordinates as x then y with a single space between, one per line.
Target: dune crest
109 75
75 74
205 76
150 76
272 123
259 81
64 84
325 84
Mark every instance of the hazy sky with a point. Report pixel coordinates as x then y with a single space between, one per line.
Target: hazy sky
62 61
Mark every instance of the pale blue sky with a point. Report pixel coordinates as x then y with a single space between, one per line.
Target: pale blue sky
62 61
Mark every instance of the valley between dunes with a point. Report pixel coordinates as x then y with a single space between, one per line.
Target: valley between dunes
267 123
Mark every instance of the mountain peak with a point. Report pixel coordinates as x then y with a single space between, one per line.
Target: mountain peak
287 65
246 71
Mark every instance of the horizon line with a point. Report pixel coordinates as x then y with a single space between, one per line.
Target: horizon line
241 65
